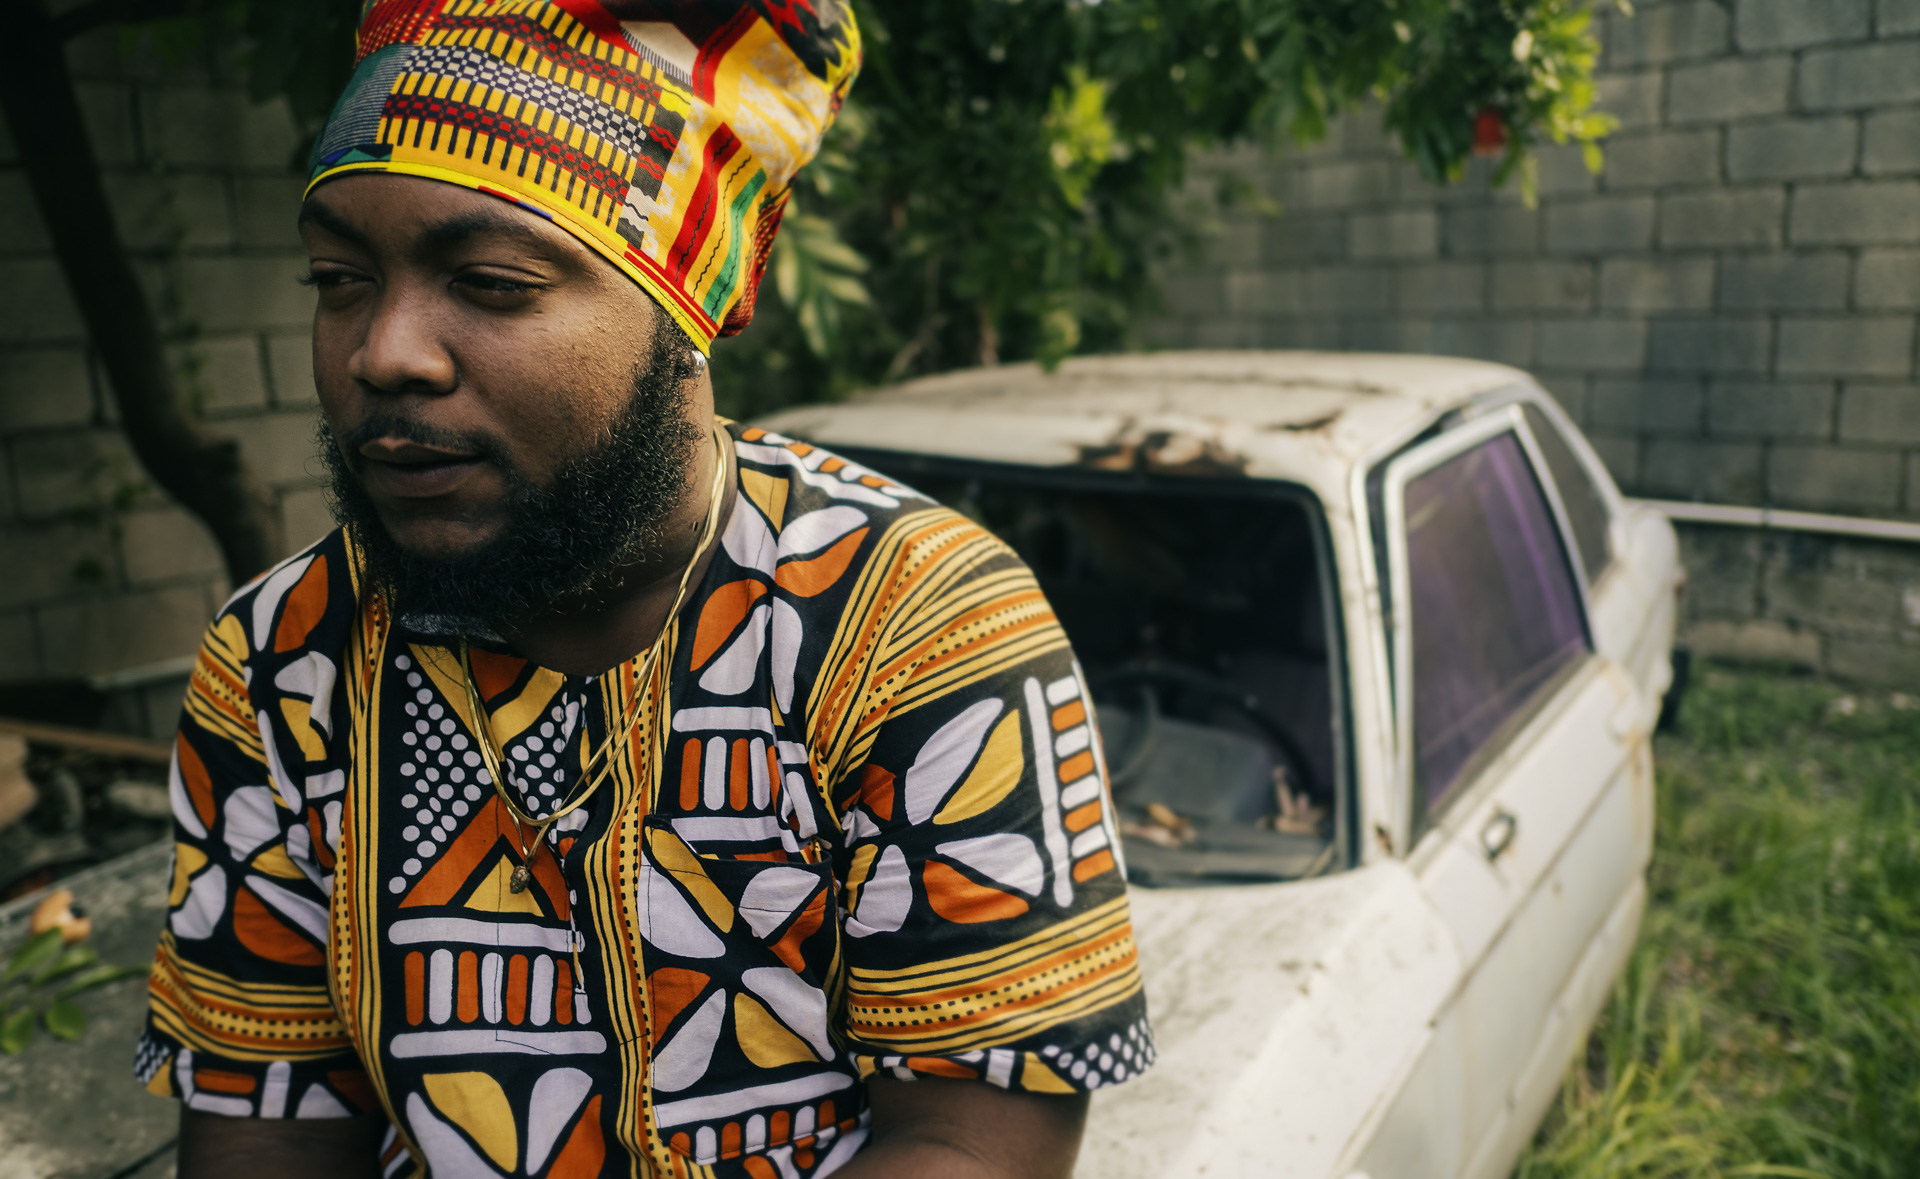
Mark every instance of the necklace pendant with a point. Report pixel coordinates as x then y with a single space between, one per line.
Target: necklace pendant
521 878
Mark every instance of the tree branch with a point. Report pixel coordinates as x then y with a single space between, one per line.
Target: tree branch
206 475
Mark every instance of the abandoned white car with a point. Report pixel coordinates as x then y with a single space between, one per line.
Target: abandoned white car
1378 648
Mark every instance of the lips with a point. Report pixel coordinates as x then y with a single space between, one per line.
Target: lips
413 470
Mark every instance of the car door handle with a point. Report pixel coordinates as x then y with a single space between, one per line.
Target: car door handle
1497 836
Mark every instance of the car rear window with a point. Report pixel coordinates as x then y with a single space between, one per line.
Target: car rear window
1586 509
1495 613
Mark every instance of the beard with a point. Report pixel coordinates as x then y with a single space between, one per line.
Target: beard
604 508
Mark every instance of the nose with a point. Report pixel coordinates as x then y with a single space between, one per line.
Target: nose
404 350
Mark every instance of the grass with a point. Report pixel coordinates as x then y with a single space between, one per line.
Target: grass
1769 1020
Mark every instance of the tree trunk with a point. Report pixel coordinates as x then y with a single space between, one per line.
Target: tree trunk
205 474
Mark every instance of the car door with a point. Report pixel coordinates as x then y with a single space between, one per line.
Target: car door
1513 739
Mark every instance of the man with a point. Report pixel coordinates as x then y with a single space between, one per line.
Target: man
620 791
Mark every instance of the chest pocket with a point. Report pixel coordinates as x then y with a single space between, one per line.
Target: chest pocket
740 958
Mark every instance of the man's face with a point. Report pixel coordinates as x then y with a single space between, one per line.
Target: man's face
503 403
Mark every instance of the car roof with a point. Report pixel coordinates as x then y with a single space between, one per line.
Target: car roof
1306 417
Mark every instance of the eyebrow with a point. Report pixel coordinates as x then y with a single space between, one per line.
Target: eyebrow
313 212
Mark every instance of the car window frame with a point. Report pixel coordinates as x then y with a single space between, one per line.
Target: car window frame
1415 821
1576 441
1349 807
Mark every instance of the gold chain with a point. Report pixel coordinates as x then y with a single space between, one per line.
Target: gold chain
599 766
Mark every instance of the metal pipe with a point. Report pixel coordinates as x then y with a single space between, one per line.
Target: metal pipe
1777 518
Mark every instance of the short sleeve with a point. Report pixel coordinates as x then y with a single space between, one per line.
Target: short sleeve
987 932
240 1021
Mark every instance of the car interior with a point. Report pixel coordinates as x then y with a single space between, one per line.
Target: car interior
1199 611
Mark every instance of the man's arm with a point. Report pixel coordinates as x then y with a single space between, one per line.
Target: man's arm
216 1147
935 1128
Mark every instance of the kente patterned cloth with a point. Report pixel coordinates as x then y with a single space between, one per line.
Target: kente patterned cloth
662 133
863 827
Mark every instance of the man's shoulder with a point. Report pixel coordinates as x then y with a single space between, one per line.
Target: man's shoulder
305 604
820 519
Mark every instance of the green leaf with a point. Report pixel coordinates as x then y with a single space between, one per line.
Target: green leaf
16 1029
64 1020
76 958
34 953
99 976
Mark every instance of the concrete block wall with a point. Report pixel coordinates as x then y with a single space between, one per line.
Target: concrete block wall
102 572
1731 309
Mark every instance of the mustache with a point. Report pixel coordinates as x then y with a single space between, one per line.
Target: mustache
478 443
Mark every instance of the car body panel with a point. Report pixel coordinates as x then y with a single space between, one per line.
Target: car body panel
1412 1015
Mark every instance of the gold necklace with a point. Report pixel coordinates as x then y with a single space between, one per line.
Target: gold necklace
599 766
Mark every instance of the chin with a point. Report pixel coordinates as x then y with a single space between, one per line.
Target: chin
439 538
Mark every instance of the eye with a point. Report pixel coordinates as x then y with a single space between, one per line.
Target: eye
485 284
327 279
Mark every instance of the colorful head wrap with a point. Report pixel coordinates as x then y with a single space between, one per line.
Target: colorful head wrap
662 133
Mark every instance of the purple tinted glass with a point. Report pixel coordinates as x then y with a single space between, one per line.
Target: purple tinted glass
1494 610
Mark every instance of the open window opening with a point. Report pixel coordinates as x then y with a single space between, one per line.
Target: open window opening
1201 612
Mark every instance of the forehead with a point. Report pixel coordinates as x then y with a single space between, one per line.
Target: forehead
383 210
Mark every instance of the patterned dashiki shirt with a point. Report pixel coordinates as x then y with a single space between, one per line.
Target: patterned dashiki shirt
863 828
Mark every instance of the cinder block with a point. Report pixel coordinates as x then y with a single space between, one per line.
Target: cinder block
1452 287
1692 469
1726 217
1319 333
1563 171
167 544
84 471
1492 229
1791 24
1754 282
1892 142
1887 278
1763 642
1733 88
1693 28
164 212
1570 389
1543 285
107 108
1596 345
19 647
1233 242
1897 16
1602 225
1657 284
241 294
1266 292
95 635
1710 345
1882 415
290 364
185 125
279 447
1913 484
221 374
21 228
1869 213
1402 233
1350 288
42 388
47 561
1723 572
1860 76
1792 149
35 304
305 517
1752 409
1850 345
1181 293
1340 184
1669 406
1620 454
267 208
1834 478
1504 341
1398 334
1659 159
1295 237
1873 662
1633 98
